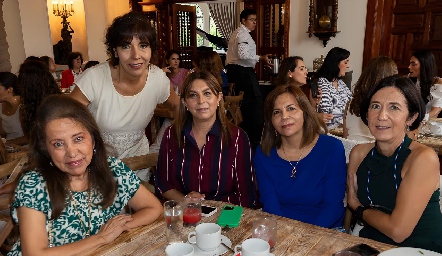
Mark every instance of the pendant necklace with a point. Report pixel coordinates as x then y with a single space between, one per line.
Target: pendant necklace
89 202
293 166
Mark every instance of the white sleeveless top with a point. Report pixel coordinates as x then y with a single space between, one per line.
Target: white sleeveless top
11 124
357 130
123 119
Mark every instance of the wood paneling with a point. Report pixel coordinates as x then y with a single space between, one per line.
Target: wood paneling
398 28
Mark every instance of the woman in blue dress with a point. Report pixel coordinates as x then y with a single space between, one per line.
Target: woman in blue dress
301 172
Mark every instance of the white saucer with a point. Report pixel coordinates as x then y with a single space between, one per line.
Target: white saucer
219 251
408 251
239 254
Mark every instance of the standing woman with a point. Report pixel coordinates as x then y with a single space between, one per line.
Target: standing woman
376 69
292 69
423 68
300 171
174 72
393 184
122 93
202 154
75 59
10 126
35 83
70 199
335 93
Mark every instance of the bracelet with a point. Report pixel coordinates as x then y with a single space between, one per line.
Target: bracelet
359 212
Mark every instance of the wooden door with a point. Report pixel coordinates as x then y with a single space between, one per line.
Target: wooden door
184 32
398 28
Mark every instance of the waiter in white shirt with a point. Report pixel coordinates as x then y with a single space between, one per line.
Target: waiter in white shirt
241 60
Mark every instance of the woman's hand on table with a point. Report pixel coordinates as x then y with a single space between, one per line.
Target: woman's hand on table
114 227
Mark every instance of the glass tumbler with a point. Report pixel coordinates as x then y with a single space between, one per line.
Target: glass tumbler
265 229
191 211
173 215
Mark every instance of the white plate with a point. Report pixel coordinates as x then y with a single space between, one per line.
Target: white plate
219 251
239 254
408 251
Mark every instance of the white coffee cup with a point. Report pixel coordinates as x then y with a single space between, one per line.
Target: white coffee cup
179 249
208 236
253 247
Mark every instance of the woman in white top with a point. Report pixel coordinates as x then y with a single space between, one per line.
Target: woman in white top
423 68
123 92
376 69
10 126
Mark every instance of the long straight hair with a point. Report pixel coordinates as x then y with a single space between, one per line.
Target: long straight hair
184 115
100 177
428 72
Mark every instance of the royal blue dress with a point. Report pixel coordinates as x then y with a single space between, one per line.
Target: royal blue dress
316 193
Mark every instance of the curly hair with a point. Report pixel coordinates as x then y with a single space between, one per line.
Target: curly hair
123 29
211 62
376 69
35 84
56 107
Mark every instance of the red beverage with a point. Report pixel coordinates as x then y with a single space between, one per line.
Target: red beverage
191 215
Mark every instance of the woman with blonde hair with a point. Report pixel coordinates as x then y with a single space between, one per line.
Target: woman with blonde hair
376 69
211 156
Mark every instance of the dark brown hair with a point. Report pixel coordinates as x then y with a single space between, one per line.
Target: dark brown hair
312 124
288 64
184 115
414 100
57 107
124 28
376 69
210 62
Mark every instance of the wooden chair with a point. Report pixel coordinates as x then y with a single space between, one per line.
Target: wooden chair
232 105
142 162
13 170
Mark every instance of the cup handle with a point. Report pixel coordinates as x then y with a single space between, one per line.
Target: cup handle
193 233
236 249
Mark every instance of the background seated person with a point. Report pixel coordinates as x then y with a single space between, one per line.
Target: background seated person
393 184
292 69
69 201
202 153
75 59
300 171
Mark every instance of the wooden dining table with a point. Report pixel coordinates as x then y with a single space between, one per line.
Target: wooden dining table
293 237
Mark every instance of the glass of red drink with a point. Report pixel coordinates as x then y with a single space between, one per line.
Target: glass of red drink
191 211
265 228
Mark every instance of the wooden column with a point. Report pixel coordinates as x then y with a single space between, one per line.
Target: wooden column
164 30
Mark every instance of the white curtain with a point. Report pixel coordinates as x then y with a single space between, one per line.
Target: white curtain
225 17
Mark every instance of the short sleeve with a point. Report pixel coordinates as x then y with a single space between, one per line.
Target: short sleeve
31 192
164 85
127 182
91 81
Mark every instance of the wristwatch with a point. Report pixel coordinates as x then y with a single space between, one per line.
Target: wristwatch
359 211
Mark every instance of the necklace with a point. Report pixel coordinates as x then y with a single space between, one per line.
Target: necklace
89 201
293 166
394 172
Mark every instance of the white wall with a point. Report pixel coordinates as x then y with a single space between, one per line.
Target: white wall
351 23
96 23
14 35
35 28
